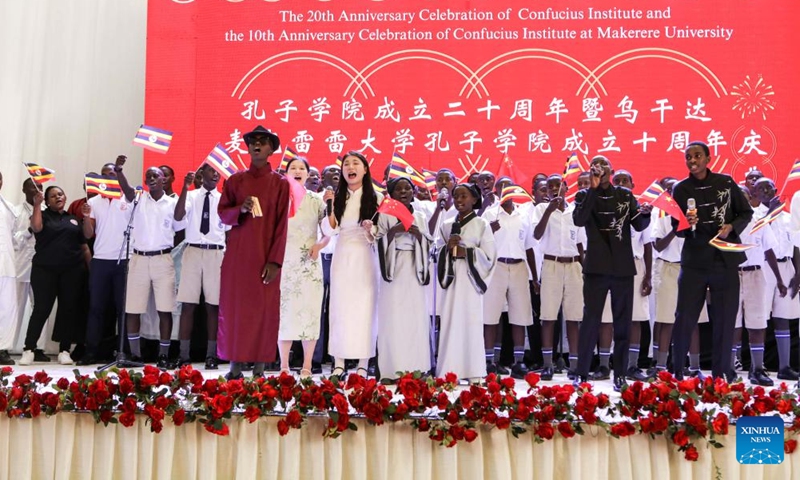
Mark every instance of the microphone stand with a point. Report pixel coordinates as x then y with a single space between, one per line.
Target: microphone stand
434 336
122 360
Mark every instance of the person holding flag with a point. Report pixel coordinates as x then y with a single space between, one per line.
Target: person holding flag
513 238
720 211
404 257
249 303
202 260
105 221
301 275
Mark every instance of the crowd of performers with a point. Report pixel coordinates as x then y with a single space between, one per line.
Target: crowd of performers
330 277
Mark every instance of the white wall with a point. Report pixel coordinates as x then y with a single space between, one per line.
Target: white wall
72 78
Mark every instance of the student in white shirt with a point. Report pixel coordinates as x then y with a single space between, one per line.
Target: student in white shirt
8 280
562 243
785 307
513 237
151 265
202 260
753 308
108 218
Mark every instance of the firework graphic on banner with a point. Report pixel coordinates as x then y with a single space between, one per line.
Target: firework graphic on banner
753 98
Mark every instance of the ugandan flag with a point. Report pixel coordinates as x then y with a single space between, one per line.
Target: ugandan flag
399 168
221 162
40 174
516 194
794 173
652 192
339 161
768 218
153 139
379 187
572 170
107 187
720 244
288 156
430 182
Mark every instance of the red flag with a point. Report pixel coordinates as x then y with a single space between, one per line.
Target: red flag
296 194
397 210
508 169
668 204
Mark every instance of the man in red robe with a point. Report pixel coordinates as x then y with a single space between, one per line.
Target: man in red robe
249 304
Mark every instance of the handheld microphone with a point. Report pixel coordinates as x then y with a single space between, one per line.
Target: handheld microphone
456 230
444 194
691 209
138 190
329 202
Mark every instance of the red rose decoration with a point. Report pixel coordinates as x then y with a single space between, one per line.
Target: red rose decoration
127 419
6 371
179 417
680 438
252 413
63 383
503 423
691 454
566 430
450 377
720 424
532 378
41 377
470 435
423 425
283 428
623 429
789 446
545 431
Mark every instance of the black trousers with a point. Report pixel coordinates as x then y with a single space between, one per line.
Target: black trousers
535 330
723 284
595 291
321 348
65 284
106 283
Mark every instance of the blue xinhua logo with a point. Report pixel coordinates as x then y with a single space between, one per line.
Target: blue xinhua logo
759 440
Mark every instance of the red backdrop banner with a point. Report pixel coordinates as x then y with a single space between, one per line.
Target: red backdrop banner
462 83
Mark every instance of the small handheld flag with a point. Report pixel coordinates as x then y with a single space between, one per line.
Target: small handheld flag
652 192
153 139
379 187
727 246
288 155
107 187
768 218
508 169
38 173
296 194
516 194
667 204
572 170
399 168
430 181
394 208
339 161
221 162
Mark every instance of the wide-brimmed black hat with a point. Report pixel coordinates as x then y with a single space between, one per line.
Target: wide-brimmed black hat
259 130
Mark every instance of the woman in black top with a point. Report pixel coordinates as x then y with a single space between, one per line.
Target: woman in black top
58 270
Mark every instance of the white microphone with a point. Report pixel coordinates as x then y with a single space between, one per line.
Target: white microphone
444 194
691 209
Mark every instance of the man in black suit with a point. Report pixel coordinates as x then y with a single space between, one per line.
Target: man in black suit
607 212
722 210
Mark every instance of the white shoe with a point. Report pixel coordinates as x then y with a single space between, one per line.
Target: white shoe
27 358
65 359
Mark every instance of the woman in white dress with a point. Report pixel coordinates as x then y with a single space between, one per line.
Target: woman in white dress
403 322
465 267
301 275
354 268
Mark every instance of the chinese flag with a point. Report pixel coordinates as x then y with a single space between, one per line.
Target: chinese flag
397 210
666 203
296 194
508 169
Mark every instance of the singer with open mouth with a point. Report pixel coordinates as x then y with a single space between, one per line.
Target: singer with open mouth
715 207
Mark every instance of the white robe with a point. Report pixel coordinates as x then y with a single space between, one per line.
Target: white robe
461 333
403 321
354 286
